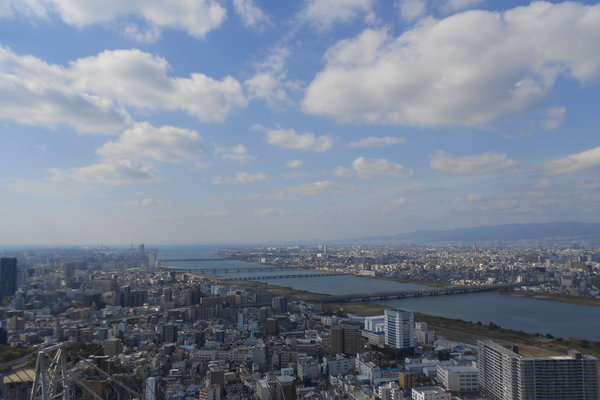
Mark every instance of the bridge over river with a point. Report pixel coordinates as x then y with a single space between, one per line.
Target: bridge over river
403 294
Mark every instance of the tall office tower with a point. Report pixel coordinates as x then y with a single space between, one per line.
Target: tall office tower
152 388
346 339
8 277
505 374
169 333
152 259
279 304
400 329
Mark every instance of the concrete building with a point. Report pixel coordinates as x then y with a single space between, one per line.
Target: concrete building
346 339
430 393
286 388
169 333
113 347
152 391
8 277
400 329
505 374
458 378
212 392
391 391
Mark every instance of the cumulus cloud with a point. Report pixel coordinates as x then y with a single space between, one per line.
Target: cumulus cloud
366 168
271 89
411 10
235 153
131 158
196 17
251 15
578 162
242 178
294 164
289 139
475 164
322 14
36 93
91 93
138 79
375 141
166 143
507 67
111 172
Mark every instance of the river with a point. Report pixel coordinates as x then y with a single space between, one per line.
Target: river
520 313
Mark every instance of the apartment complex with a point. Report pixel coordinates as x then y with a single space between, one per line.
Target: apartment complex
505 374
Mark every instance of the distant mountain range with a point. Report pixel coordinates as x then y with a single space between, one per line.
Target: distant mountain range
508 232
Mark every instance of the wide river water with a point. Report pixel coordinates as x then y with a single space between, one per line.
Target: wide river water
524 314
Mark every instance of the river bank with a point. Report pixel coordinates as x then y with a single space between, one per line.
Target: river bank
452 329
587 301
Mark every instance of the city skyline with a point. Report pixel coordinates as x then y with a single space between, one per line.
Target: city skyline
247 121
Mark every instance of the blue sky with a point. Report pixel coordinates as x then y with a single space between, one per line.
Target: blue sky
211 121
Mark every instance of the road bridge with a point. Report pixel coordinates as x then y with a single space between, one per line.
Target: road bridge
286 276
193 259
403 294
231 270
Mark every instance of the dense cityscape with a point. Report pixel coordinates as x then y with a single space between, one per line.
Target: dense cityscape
121 323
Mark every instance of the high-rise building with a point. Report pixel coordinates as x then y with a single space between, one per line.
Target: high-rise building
113 347
400 329
279 304
506 374
169 333
346 339
8 277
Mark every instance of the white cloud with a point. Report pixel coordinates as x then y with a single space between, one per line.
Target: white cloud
149 35
242 178
289 139
36 93
374 141
470 198
28 8
318 188
196 17
138 79
343 172
144 141
394 204
475 164
251 15
294 164
509 65
144 203
89 95
322 14
411 10
265 86
129 159
554 117
579 162
235 153
366 168
111 172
